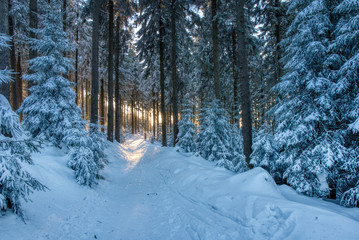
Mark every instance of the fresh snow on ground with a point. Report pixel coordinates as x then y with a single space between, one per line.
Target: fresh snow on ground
150 192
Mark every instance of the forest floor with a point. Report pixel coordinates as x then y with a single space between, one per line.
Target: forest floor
151 192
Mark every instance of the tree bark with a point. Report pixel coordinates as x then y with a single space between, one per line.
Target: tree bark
132 114
94 63
215 49
117 82
158 118
244 77
102 104
33 25
4 53
110 73
83 88
14 86
154 113
19 79
235 111
174 72
162 78
77 66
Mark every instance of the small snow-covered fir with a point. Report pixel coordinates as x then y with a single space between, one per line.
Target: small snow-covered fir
186 129
50 110
214 136
16 184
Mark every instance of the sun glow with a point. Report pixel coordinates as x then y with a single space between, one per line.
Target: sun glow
132 156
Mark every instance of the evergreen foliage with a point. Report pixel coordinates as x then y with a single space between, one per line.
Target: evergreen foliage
214 138
16 184
345 94
50 110
265 154
238 160
187 130
5 74
304 113
314 145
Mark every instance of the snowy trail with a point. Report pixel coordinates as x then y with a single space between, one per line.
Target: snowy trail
150 192
153 209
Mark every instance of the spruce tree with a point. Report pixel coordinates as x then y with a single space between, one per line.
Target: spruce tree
16 184
345 95
265 154
187 130
15 150
214 138
50 110
303 116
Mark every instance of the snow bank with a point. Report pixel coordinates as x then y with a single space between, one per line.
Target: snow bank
253 200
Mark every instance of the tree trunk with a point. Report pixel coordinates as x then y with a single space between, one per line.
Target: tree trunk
83 88
162 78
244 76
154 113
158 118
132 115
215 49
33 25
19 79
110 73
4 53
94 63
235 111
88 99
174 72
102 105
14 86
77 66
117 81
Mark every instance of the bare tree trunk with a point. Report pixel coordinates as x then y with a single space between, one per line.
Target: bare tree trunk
4 53
244 76
154 114
33 25
132 115
158 118
83 98
117 82
94 63
170 123
19 79
110 73
77 66
162 78
121 113
13 86
235 111
174 72
88 99
102 105
215 49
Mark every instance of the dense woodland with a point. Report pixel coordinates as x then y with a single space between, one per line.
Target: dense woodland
242 83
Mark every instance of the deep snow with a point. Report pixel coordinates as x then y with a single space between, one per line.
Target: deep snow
150 192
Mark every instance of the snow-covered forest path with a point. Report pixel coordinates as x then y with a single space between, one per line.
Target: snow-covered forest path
150 192
140 198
